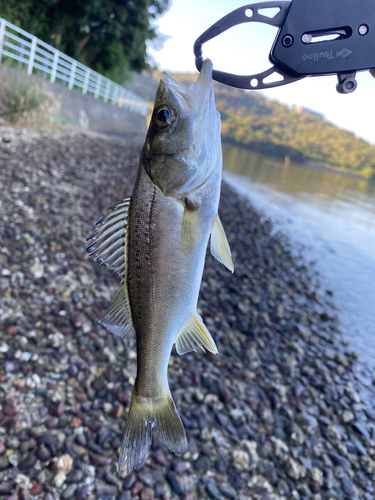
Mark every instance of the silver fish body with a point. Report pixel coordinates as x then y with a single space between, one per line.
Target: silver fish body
164 230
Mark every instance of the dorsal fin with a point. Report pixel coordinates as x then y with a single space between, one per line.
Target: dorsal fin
110 247
220 246
110 239
194 332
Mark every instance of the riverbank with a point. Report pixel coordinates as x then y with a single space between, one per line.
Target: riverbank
329 218
284 161
275 415
335 170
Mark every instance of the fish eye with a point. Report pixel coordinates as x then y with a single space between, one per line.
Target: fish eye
164 117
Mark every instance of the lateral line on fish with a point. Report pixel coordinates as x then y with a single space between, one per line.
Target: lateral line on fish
150 264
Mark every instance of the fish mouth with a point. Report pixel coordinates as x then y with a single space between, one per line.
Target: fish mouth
197 93
204 83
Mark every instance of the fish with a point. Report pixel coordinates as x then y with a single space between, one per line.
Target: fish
156 243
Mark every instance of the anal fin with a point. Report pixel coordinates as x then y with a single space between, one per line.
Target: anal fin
117 318
220 246
194 332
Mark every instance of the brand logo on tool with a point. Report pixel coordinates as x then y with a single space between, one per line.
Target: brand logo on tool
343 53
326 54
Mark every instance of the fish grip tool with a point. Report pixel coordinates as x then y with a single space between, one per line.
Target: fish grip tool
315 38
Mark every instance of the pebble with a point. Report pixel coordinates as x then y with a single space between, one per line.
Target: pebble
104 490
9 409
126 495
69 491
362 429
129 481
27 462
24 495
227 491
75 476
147 479
202 463
292 468
348 486
23 481
6 487
174 482
339 460
118 410
240 460
108 407
35 488
137 488
213 490
147 494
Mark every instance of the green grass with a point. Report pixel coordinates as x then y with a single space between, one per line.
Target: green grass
24 97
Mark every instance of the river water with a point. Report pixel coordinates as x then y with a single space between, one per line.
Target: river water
330 216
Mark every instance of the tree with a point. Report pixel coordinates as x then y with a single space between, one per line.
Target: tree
109 36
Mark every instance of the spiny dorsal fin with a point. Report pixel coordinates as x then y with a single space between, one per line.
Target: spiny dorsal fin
194 332
110 247
110 239
118 318
220 246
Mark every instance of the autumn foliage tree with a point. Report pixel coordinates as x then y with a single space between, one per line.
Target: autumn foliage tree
109 36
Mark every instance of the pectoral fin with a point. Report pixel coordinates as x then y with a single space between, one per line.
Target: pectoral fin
195 332
219 245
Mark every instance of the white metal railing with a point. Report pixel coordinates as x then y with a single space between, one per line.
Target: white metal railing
19 45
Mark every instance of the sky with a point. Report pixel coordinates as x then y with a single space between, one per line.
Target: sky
244 50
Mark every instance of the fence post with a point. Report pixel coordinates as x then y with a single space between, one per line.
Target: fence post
120 98
72 75
106 93
54 66
86 82
115 93
32 56
97 87
2 33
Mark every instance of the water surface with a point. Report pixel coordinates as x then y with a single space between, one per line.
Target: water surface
332 216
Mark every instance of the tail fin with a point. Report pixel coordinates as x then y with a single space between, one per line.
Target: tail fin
145 417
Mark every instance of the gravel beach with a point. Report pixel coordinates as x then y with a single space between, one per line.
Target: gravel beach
276 415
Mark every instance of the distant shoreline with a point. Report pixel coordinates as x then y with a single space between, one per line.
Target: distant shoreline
312 164
306 163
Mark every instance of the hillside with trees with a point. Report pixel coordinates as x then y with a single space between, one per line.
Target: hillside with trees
263 125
